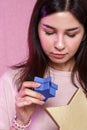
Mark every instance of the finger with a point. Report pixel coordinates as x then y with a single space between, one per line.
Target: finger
21 102
36 101
30 84
31 93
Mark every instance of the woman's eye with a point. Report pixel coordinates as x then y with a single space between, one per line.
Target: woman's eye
49 33
71 35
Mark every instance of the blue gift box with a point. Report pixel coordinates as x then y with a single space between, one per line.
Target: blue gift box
47 87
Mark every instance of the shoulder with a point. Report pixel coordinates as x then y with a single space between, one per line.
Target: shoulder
8 86
9 77
10 74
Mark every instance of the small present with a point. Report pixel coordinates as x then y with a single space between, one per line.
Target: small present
47 87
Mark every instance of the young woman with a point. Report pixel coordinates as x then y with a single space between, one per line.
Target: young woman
57 41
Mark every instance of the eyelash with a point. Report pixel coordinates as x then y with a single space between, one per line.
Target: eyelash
49 33
71 35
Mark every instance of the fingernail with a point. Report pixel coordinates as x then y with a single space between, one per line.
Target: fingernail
42 102
43 97
38 84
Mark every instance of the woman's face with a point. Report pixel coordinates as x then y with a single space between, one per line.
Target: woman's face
60 36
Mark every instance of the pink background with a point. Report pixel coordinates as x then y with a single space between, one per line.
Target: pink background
14 20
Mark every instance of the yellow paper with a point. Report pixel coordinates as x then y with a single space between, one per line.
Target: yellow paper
72 116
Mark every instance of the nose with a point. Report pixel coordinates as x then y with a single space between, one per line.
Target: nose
59 42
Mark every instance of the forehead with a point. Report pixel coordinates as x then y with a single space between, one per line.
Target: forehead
61 19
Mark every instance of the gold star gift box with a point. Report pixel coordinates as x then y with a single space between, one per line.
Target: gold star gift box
72 116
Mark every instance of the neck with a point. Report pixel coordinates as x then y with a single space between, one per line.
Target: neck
68 66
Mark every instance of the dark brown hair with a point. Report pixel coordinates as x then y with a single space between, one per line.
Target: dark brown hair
37 61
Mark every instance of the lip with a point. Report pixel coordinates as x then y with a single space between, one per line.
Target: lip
58 56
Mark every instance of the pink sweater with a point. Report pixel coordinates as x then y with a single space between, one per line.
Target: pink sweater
40 120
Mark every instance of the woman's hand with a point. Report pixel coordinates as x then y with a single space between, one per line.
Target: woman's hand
26 101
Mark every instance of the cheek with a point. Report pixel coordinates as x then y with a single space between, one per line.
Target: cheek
45 46
46 43
74 47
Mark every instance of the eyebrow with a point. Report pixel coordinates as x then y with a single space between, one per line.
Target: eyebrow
71 29
48 26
